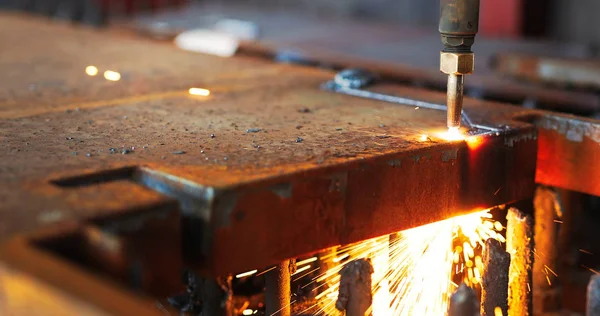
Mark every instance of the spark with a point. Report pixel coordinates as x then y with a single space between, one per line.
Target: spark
498 311
247 312
91 70
586 251
558 221
112 75
591 270
424 138
547 267
301 270
245 274
414 270
307 273
199 91
338 259
269 269
303 262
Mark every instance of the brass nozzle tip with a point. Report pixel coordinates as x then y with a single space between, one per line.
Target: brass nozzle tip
455 100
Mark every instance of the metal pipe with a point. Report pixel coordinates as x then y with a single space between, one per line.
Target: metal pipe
278 290
354 296
494 285
545 294
519 244
463 302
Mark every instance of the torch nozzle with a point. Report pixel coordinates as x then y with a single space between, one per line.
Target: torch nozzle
455 100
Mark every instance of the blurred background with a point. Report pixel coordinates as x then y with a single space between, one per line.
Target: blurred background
552 19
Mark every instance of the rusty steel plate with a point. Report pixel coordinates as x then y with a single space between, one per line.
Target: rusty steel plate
267 135
269 166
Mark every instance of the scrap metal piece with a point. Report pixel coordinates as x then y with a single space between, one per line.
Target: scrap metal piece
519 244
494 284
572 72
464 302
355 292
278 289
217 297
593 296
354 78
547 207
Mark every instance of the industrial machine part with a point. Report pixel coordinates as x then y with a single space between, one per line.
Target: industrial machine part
580 73
459 23
128 160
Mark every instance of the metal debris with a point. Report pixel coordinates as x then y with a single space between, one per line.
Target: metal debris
383 136
494 283
112 150
304 110
519 244
75 153
463 302
126 151
69 138
299 126
188 302
593 296
178 152
253 130
355 297
354 78
88 155
299 139
217 297
212 135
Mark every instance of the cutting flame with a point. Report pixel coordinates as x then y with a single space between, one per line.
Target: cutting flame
199 91
112 75
414 269
453 134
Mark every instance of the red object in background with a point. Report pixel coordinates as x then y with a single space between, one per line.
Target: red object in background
131 6
501 18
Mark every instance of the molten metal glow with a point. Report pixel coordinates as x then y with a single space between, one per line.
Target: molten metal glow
452 134
91 70
245 274
199 91
112 75
414 269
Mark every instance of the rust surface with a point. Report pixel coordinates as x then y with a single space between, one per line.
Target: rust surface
266 168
